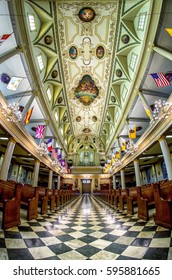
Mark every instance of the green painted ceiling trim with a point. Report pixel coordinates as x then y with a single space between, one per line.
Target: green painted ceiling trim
57 89
117 93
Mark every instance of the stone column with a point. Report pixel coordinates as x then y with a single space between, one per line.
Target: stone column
114 182
50 179
166 155
137 172
35 173
7 159
122 179
145 105
58 182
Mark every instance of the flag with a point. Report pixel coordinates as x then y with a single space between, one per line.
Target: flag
5 78
169 30
168 75
28 116
123 144
14 83
117 154
54 153
132 132
160 79
40 131
49 144
3 38
147 111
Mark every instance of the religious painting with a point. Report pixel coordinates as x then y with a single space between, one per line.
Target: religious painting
78 118
86 14
64 118
48 40
60 99
86 91
54 74
125 38
86 130
119 73
94 118
100 52
73 53
113 99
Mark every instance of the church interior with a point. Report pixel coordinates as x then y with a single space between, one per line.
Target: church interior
85 130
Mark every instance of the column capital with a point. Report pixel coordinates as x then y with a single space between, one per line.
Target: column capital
37 161
136 160
161 138
12 140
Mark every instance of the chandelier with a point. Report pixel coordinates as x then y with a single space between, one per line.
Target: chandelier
163 109
42 149
131 147
12 112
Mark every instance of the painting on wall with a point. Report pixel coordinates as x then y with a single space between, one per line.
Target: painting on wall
100 52
86 91
86 14
73 53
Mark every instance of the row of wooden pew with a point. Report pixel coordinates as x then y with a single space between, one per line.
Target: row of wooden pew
156 196
14 196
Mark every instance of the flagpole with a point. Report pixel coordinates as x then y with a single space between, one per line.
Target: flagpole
145 104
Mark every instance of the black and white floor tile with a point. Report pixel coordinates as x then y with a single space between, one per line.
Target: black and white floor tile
86 229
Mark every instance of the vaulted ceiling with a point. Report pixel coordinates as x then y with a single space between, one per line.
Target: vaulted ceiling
93 66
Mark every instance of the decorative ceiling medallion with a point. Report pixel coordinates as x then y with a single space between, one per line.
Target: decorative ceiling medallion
48 40
86 14
54 74
60 99
86 130
125 38
113 99
78 118
87 91
119 73
73 52
64 118
94 118
100 52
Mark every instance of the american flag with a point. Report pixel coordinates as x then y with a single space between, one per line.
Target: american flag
160 79
54 153
40 131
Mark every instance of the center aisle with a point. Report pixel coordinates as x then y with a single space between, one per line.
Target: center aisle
86 229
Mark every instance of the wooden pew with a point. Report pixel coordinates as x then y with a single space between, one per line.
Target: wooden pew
145 201
132 200
57 197
51 198
10 196
163 205
42 200
123 198
29 199
112 197
116 198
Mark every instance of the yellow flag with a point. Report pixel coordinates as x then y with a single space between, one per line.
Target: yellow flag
117 155
132 132
123 144
169 30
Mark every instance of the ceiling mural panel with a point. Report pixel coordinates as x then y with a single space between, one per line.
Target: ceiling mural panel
86 36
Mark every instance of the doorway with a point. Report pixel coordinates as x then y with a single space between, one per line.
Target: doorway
86 186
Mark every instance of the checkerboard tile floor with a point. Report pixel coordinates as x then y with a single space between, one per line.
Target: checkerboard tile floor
86 229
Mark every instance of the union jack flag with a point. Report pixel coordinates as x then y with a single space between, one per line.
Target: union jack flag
40 131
